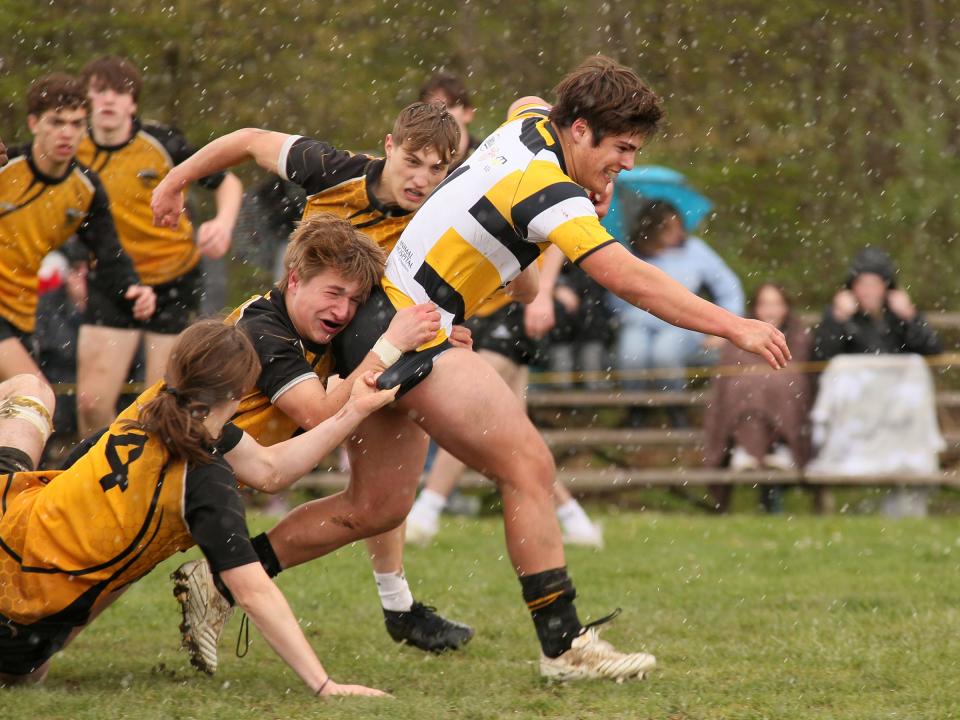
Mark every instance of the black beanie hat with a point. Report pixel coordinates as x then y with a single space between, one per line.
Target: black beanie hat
873 260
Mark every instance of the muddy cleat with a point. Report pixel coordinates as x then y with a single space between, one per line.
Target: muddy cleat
421 627
590 657
205 612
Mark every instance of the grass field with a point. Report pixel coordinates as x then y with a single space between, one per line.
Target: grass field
749 616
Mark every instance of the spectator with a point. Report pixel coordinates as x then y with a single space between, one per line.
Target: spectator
758 418
876 415
581 339
871 315
645 342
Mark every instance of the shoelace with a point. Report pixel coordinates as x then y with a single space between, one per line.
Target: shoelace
244 628
601 621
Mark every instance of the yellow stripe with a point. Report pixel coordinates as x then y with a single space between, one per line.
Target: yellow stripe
541 603
465 269
578 236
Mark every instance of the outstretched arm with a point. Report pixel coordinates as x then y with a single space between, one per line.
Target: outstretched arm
649 288
263 146
271 469
266 606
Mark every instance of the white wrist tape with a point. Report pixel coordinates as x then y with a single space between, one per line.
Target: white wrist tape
30 409
386 351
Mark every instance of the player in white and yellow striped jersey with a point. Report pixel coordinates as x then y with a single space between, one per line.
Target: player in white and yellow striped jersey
538 180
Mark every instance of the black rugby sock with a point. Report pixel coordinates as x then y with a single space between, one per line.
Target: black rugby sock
549 596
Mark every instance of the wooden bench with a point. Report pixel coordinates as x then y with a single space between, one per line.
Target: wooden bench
616 479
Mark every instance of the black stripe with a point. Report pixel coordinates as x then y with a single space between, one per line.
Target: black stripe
591 251
526 210
455 174
441 292
39 194
496 224
530 136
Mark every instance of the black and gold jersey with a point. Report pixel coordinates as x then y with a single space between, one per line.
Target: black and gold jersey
130 171
489 219
340 182
39 213
68 538
286 359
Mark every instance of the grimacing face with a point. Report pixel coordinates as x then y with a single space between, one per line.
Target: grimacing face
409 176
323 305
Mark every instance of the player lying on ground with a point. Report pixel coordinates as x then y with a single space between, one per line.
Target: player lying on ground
156 482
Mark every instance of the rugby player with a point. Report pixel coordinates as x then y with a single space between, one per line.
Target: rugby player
46 196
131 157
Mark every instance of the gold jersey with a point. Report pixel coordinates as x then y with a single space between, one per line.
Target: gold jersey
38 214
130 171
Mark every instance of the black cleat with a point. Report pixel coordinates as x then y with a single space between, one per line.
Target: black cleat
421 627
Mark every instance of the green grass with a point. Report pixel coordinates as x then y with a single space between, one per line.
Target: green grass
749 616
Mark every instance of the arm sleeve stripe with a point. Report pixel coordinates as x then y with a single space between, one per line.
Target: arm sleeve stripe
590 252
284 154
296 381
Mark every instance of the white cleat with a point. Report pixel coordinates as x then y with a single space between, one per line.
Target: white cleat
205 613
591 658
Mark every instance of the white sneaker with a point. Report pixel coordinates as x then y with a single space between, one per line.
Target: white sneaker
780 459
590 535
590 657
741 460
205 612
420 533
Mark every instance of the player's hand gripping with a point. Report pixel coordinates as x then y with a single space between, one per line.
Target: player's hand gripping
461 337
412 326
762 339
167 202
144 300
365 397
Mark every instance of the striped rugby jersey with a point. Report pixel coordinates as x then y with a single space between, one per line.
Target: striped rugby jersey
491 218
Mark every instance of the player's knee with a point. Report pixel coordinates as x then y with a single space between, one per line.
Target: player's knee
30 386
533 469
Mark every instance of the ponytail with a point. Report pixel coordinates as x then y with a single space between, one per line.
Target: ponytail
211 363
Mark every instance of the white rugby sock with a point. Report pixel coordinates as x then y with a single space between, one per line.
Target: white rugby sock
427 508
394 591
573 519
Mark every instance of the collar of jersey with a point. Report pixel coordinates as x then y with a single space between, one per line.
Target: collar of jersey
373 172
276 298
42 176
556 148
113 148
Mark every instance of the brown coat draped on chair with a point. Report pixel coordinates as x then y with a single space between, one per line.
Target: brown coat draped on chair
782 398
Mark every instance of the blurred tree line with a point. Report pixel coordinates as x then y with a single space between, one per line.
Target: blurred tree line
816 127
